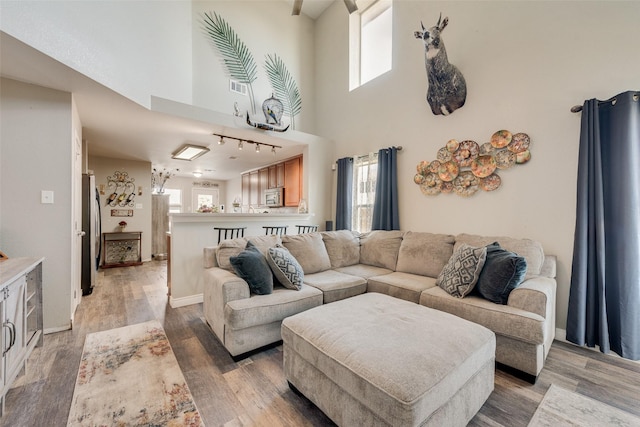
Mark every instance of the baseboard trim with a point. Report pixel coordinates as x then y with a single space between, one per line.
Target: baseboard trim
56 329
184 301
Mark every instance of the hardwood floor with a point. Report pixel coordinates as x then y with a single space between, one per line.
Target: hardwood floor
254 392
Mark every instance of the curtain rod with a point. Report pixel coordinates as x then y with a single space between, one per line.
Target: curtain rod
578 108
399 148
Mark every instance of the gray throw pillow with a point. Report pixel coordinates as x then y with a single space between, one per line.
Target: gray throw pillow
251 265
461 273
503 271
285 268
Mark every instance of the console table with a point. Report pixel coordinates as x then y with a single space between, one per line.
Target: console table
21 315
122 249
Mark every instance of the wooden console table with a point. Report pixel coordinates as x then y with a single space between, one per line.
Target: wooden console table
122 249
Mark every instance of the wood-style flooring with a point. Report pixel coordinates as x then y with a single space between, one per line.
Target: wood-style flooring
253 391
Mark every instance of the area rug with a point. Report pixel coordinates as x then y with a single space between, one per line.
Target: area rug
130 377
561 407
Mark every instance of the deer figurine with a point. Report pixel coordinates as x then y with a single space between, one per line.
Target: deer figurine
447 88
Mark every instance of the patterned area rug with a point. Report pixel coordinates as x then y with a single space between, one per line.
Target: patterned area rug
130 376
561 407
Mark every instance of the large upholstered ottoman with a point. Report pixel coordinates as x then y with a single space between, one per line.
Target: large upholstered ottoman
375 360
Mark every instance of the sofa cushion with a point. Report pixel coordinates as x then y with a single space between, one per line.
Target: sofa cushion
529 249
503 271
251 265
335 285
285 268
309 250
401 285
343 247
227 249
461 273
232 247
501 319
364 271
424 253
380 248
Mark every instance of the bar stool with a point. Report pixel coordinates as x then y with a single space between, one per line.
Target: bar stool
307 228
229 233
280 230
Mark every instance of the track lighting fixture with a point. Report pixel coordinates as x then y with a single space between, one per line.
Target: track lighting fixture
241 142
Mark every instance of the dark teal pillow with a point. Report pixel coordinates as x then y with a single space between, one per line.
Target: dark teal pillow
251 265
503 271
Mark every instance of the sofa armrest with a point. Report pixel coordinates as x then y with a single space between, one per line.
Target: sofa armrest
225 285
536 295
220 287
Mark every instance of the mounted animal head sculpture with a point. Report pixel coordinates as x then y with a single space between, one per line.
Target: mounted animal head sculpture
447 88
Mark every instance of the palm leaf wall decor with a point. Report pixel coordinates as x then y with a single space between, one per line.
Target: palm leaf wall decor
284 86
236 56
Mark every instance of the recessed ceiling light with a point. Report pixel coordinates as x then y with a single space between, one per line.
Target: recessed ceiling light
189 152
197 174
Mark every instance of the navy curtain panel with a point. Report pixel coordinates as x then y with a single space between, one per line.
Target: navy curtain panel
604 298
385 206
344 202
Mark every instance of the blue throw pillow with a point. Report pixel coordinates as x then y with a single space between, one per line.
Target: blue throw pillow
251 265
503 271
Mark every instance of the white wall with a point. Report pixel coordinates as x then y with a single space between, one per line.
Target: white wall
36 152
526 64
104 167
265 27
137 48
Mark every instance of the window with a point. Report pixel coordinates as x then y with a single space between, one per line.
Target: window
370 41
365 172
175 199
204 197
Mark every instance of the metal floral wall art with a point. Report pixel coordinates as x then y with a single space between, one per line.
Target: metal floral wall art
464 167
241 66
447 88
122 189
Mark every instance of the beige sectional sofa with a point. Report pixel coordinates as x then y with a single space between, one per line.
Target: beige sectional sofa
404 264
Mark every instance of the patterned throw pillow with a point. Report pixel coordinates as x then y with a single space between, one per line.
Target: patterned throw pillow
285 267
461 273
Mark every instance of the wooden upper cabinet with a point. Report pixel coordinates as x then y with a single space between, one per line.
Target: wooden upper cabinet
287 175
246 186
254 188
292 181
263 181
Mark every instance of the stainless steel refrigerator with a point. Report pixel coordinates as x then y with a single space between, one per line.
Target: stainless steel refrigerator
91 225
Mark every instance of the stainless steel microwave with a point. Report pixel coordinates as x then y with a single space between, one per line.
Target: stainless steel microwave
274 197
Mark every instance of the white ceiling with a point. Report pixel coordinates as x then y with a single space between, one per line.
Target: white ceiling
117 127
313 8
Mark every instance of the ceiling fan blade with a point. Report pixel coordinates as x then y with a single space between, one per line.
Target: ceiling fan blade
351 6
297 7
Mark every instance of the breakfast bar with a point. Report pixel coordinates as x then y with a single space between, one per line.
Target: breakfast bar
190 232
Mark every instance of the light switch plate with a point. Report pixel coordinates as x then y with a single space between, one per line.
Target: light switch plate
46 196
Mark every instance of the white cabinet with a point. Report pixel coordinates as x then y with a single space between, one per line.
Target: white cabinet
21 316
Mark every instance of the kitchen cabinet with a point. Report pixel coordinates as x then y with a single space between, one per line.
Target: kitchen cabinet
254 188
287 175
263 181
292 181
21 314
246 186
276 175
